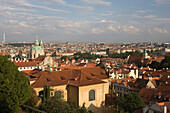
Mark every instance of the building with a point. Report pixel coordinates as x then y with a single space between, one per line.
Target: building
85 85
37 50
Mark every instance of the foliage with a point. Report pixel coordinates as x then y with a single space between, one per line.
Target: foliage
8 56
64 57
56 105
46 93
125 55
33 100
129 102
166 62
155 65
86 56
163 64
14 87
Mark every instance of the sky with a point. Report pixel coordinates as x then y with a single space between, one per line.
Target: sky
108 21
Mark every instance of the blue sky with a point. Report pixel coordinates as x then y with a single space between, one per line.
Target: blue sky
117 21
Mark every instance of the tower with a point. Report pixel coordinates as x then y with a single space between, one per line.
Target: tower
36 41
3 38
37 49
145 54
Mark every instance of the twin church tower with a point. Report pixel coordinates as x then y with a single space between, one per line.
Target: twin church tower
37 49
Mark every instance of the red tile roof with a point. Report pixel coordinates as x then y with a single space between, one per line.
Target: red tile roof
76 77
26 64
147 94
163 90
135 58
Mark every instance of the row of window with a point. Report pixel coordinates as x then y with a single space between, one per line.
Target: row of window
121 89
59 94
26 68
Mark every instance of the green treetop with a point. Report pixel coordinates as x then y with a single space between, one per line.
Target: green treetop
14 87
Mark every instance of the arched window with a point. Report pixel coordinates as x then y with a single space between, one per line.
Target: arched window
91 95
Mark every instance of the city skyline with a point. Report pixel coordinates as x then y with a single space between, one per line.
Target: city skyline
85 20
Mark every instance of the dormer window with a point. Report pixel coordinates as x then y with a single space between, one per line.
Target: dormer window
92 74
159 97
88 78
62 78
48 79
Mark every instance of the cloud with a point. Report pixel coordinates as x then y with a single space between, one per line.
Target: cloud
144 11
63 3
103 21
97 2
22 3
110 27
105 14
157 30
97 30
163 1
130 29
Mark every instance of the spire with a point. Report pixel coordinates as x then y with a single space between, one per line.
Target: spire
41 43
36 42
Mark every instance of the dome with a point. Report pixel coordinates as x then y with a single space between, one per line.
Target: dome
36 42
36 48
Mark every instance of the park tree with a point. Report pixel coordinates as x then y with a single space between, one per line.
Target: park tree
33 100
14 87
129 102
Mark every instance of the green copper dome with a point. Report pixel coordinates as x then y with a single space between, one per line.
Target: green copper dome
36 48
36 42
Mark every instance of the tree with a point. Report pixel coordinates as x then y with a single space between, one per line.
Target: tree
46 93
58 105
129 102
33 100
166 62
14 87
155 65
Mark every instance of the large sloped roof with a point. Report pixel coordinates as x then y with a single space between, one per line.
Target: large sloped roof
75 77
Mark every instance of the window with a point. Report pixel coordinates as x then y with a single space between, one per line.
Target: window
51 93
91 95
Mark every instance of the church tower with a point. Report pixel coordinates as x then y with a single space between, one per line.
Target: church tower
37 50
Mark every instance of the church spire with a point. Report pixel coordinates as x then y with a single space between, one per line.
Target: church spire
36 41
41 43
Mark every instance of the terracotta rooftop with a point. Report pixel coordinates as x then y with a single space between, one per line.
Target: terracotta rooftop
163 90
75 77
26 64
135 58
147 94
